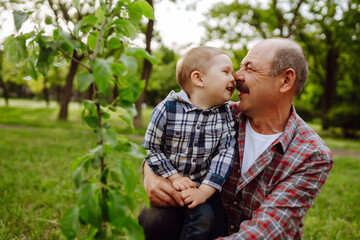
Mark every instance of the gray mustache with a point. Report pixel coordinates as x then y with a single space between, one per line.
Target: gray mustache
240 86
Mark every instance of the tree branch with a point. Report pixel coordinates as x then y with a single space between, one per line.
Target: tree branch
98 43
75 60
296 12
279 17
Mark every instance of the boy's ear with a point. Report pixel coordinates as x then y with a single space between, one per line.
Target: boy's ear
196 79
287 80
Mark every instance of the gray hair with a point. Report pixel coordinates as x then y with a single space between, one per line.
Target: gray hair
291 55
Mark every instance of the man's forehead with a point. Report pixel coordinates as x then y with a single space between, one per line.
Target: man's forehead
259 54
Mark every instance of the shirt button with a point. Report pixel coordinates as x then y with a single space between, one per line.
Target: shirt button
232 226
216 131
177 133
197 127
239 171
194 160
195 144
235 202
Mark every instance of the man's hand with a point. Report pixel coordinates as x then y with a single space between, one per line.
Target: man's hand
160 191
181 183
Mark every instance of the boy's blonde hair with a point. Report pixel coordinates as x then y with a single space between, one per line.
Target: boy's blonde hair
195 59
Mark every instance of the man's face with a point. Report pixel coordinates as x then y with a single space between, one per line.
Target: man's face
258 90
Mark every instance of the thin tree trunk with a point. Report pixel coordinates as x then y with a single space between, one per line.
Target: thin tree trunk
46 93
145 74
330 84
2 83
66 91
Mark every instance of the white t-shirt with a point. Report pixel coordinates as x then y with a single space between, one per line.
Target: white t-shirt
255 145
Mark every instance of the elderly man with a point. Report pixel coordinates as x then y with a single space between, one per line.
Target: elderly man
282 163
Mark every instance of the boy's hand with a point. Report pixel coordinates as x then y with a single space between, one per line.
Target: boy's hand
193 197
181 183
196 196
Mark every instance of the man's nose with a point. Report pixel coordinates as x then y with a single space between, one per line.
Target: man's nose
238 76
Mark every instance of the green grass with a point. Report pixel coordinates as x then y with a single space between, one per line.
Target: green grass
36 152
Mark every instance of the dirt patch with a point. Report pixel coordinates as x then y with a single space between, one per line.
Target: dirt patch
345 153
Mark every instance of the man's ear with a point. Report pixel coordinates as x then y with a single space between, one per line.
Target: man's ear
196 79
287 80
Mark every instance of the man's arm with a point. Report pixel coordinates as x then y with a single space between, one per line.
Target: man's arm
281 213
160 190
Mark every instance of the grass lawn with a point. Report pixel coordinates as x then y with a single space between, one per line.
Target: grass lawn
36 152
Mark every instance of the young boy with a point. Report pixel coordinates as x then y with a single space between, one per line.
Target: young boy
190 139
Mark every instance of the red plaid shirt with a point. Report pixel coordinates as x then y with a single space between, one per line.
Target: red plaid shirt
271 199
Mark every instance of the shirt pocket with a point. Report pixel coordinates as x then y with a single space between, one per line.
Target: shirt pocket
211 139
177 139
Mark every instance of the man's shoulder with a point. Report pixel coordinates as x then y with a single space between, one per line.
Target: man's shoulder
308 140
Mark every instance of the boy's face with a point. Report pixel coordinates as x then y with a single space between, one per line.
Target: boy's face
219 80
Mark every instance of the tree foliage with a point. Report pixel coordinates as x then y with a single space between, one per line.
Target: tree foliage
106 189
327 30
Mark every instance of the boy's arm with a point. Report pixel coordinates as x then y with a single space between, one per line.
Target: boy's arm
222 162
153 141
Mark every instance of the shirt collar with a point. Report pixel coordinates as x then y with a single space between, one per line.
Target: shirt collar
188 105
284 139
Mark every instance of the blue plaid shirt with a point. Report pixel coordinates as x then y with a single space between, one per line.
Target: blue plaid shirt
183 139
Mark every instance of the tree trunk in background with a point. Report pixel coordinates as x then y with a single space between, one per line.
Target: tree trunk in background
91 91
2 83
46 93
330 84
66 91
146 72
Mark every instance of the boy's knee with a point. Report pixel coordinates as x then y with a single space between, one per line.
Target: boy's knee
160 222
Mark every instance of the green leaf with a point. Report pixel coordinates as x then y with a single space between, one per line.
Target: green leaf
127 176
98 151
114 43
89 105
77 177
92 121
85 24
102 73
45 60
30 68
127 95
70 223
117 209
15 48
92 38
129 62
133 230
146 9
127 120
19 18
131 30
118 69
135 14
66 37
84 80
109 136
100 14
141 52
48 20
89 210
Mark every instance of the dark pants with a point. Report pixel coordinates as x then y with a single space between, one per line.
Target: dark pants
173 223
